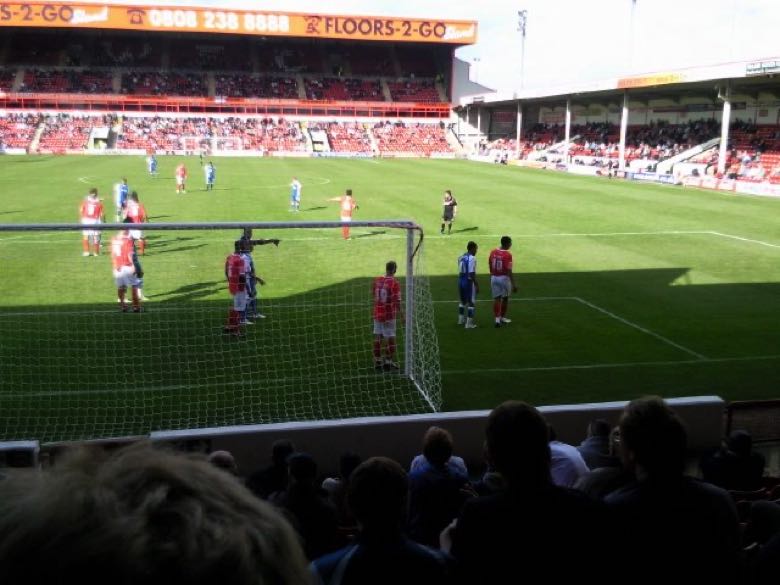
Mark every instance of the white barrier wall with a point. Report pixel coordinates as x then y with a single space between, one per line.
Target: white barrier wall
401 437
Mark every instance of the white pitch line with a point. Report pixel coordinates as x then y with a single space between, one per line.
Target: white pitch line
83 179
740 238
642 329
611 365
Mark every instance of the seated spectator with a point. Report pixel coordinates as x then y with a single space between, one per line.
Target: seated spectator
337 487
596 449
533 527
382 554
420 463
735 466
567 465
224 460
141 516
307 507
491 481
436 492
688 527
601 481
273 478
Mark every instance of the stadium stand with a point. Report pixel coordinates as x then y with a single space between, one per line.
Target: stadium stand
418 139
7 77
346 136
330 88
67 81
414 91
66 132
233 55
17 130
147 83
251 86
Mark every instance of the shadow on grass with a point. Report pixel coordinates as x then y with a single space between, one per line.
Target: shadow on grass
468 229
369 234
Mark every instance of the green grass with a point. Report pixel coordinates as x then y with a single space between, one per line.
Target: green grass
625 289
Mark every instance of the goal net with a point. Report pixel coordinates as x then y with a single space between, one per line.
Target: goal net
73 365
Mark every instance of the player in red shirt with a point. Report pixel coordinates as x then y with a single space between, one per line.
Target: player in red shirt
136 213
347 204
124 269
181 179
91 214
502 281
386 293
235 272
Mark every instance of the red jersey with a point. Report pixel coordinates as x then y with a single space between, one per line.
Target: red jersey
387 298
135 211
91 209
121 251
500 262
235 271
181 171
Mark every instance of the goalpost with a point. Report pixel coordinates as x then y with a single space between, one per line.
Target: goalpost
74 366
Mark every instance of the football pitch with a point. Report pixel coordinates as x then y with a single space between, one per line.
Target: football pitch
625 289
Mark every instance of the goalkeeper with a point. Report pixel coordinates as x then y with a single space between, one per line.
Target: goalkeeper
246 245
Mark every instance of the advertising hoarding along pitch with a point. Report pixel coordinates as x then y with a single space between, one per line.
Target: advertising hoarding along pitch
151 18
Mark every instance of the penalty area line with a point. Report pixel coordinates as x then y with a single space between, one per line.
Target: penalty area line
611 366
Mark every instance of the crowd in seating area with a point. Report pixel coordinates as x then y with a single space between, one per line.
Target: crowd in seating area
345 136
158 133
148 83
264 134
535 506
339 88
66 81
68 132
7 77
420 90
17 130
263 86
420 139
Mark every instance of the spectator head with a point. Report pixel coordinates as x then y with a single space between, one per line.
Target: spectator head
377 495
302 469
599 428
506 242
518 444
141 516
740 443
280 451
223 460
348 462
437 446
653 439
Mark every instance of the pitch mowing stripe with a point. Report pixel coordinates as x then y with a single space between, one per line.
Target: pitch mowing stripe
612 366
15 239
183 387
642 329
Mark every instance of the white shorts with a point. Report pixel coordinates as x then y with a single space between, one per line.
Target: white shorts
179 181
500 286
239 300
136 234
125 276
384 328
90 221
346 218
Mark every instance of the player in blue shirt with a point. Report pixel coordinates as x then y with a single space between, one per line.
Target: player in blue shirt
211 174
295 195
151 165
121 191
467 285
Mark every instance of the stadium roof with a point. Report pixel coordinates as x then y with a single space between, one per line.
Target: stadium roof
210 20
746 76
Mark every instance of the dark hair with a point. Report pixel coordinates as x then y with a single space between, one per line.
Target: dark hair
280 451
437 446
448 192
302 466
471 246
599 428
377 493
391 267
655 435
740 442
134 195
506 241
348 462
518 443
93 191
349 192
